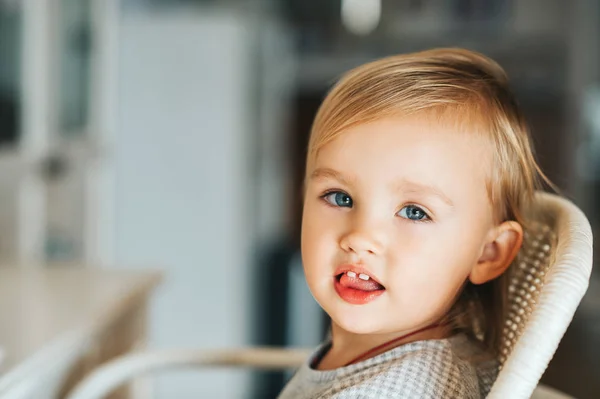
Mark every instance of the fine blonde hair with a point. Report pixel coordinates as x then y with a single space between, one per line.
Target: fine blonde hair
466 88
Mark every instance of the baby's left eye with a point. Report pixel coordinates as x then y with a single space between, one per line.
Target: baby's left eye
413 212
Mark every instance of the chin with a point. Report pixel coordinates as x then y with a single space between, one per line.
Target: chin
356 322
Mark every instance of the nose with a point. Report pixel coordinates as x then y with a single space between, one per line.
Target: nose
362 239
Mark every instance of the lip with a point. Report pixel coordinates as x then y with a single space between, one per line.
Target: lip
358 270
351 295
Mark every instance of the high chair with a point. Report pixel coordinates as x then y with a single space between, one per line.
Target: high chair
546 283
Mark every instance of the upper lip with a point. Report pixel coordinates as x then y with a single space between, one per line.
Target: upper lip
358 270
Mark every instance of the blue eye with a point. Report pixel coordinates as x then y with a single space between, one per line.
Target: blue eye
339 198
413 212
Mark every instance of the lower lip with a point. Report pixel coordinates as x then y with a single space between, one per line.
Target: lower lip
355 297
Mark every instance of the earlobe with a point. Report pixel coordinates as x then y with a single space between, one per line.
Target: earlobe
498 253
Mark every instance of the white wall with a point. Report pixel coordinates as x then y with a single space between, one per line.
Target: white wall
183 187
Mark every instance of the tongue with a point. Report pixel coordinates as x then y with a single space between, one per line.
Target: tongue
359 284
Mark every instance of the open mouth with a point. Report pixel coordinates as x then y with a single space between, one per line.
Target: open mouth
357 288
359 281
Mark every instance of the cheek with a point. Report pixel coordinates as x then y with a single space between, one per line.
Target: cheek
317 239
432 266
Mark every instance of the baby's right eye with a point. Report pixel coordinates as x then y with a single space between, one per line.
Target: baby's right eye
338 198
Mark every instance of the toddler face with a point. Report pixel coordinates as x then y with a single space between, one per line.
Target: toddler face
395 217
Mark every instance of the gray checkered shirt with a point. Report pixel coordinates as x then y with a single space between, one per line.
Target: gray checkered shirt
435 369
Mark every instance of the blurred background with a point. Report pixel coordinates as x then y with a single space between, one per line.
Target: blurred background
171 134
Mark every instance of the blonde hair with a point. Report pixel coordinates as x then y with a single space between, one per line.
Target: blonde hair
461 86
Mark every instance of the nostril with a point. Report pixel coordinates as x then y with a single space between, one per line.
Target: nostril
360 243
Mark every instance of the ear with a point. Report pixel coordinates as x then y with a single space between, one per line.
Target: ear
502 246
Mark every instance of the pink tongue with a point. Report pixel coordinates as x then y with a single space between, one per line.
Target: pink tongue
359 284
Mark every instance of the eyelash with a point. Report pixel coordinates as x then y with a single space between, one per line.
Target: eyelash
426 218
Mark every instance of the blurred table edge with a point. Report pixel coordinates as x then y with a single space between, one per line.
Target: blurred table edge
81 315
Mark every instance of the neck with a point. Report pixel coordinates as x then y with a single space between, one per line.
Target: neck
347 346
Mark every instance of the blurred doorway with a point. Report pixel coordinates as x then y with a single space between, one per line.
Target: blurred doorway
53 128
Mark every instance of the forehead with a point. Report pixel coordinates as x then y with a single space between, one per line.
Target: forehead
433 151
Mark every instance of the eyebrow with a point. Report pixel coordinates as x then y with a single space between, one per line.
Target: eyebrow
323 173
418 188
403 185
